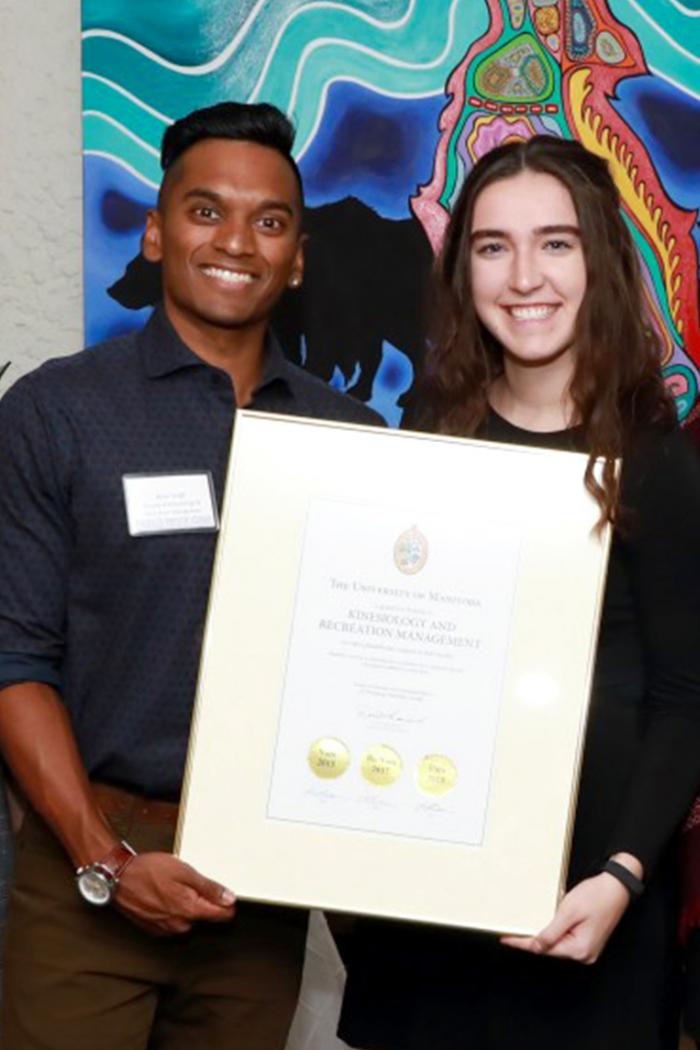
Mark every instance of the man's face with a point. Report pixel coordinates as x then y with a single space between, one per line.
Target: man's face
228 235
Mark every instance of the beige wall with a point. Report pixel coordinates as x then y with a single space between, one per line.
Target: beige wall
41 196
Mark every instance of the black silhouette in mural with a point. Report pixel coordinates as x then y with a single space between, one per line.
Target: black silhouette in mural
366 281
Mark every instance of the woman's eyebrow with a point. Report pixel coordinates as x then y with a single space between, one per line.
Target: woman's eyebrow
539 231
475 234
572 231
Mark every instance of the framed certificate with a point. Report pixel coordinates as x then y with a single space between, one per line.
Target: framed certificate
395 674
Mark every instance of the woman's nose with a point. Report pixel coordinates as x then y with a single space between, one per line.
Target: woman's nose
526 271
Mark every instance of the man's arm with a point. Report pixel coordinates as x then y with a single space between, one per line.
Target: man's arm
157 891
38 460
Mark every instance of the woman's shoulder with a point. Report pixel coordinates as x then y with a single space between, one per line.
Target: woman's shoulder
661 471
654 448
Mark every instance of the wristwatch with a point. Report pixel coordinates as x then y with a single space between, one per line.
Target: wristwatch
97 882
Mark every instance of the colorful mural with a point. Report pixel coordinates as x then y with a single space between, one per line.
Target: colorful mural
393 101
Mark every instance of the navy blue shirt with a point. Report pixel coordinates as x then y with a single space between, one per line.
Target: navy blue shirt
112 620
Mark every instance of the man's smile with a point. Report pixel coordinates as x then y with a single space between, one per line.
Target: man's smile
228 276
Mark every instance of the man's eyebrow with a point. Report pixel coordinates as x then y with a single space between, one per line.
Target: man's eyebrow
202 191
539 231
276 205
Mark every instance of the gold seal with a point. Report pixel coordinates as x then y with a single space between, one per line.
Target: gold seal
411 551
381 765
328 758
436 774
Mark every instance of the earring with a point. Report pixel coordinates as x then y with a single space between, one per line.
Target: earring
295 282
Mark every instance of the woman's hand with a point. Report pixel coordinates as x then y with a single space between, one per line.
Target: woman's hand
586 917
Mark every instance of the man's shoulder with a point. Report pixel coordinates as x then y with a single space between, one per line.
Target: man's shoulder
93 361
95 366
317 398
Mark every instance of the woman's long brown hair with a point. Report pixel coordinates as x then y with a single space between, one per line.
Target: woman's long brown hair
616 388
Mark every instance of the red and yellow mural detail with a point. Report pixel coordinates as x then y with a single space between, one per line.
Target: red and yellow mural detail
554 68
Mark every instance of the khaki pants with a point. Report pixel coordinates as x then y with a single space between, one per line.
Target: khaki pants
79 977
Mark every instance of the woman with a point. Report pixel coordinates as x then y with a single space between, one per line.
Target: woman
543 340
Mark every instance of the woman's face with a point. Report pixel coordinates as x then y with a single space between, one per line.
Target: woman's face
528 270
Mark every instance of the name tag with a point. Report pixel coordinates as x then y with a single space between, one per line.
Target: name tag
159 503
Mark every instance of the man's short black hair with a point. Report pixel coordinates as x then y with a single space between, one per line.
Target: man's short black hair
241 121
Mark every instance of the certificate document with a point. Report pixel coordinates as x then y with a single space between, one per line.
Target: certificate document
396 661
395 674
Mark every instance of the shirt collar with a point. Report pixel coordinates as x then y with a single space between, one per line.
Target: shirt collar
163 349
164 352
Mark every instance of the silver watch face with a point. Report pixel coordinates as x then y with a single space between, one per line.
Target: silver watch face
95 886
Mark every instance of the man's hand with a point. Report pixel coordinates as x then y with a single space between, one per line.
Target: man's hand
586 917
163 895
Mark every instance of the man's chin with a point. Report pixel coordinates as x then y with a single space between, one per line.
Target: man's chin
233 320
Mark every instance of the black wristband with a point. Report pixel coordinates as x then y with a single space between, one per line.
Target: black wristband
633 885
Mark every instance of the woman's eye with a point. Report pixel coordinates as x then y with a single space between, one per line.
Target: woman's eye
557 245
489 248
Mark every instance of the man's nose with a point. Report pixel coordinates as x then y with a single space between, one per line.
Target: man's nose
235 236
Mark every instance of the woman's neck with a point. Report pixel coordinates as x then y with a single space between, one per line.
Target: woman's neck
535 398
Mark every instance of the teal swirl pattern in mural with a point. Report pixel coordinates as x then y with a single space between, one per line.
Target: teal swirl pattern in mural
393 101
287 53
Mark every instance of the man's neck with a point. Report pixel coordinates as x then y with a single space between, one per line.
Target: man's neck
236 351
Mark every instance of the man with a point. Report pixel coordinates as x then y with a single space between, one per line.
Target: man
101 621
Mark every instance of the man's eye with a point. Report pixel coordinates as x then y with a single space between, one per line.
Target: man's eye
270 222
205 211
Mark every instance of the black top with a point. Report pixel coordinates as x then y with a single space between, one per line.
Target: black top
412 986
642 759
113 620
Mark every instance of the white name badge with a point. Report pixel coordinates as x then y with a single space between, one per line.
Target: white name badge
159 503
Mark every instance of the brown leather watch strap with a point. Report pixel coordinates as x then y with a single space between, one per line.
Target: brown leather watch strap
117 860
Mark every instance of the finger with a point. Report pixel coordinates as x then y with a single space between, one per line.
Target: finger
562 924
204 909
214 914
178 926
547 939
566 948
212 891
577 951
523 944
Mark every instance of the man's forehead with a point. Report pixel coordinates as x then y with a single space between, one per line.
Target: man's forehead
230 166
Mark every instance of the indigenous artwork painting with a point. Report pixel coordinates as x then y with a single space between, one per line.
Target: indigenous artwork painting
393 101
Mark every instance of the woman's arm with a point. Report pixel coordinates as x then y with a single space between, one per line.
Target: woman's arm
661 489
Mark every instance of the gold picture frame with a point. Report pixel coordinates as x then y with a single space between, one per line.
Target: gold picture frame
395 674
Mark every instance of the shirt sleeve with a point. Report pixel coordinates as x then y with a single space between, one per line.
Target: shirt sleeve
661 489
35 537
16 668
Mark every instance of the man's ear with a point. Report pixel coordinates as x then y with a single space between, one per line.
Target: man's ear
151 242
297 275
